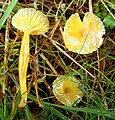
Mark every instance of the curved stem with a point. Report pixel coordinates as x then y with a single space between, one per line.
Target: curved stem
23 65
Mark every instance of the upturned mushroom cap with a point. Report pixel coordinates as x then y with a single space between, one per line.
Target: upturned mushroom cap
30 20
85 36
66 90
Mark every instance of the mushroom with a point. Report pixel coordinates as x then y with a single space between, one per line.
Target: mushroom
66 89
83 37
30 21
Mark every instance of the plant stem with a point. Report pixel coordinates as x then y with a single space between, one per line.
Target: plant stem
90 6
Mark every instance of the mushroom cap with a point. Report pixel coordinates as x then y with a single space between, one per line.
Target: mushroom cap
85 36
66 90
30 20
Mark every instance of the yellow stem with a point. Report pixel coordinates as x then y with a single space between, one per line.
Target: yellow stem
23 65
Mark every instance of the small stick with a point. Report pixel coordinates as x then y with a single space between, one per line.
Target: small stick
82 4
90 6
91 11
108 10
36 77
6 47
47 61
56 18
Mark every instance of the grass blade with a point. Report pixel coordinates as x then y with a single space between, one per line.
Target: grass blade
1 115
56 112
28 114
14 106
106 113
7 12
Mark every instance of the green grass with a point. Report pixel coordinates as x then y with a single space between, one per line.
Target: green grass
7 12
98 100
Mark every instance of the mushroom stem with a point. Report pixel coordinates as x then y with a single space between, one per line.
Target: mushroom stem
23 65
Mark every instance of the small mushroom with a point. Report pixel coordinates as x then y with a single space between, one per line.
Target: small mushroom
34 22
85 36
66 90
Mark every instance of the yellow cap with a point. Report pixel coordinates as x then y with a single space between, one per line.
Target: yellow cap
66 90
31 20
85 36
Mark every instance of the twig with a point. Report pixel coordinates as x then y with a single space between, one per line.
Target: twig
98 62
56 18
110 39
108 9
47 61
6 48
36 77
82 4
94 37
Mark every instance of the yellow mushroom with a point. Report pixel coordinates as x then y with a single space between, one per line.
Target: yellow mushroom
66 89
34 22
85 36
